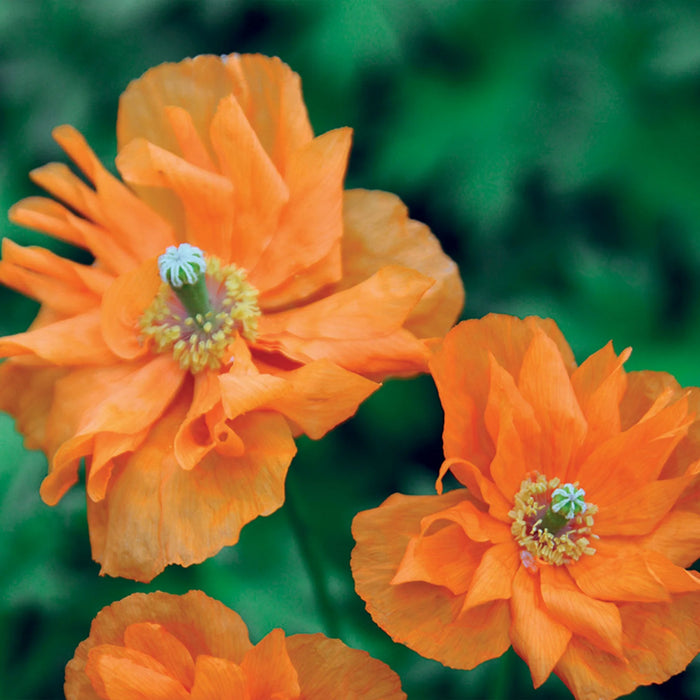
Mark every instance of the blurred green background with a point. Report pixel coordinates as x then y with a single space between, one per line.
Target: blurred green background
553 148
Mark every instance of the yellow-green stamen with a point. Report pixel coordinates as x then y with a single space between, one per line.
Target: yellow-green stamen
198 326
553 523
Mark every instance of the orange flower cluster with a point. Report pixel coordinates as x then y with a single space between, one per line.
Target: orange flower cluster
571 539
167 647
238 297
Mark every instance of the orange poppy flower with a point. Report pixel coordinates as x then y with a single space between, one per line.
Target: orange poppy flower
159 646
238 298
571 539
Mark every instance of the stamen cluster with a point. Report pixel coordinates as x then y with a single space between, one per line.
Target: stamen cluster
535 504
201 340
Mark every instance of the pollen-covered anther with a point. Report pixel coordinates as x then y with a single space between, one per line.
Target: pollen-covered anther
199 336
553 523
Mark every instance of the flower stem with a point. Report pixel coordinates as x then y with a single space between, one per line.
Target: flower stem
312 559
502 685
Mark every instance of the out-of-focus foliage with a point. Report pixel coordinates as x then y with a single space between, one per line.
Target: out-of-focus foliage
551 146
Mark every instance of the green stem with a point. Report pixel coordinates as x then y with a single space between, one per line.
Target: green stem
502 685
312 559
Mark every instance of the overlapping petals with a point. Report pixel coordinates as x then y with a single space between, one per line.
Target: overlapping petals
162 646
451 576
217 152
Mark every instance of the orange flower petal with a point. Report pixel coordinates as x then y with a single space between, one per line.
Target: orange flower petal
659 641
420 615
677 536
123 674
633 457
378 232
311 227
189 141
50 217
142 389
321 395
599 384
616 575
324 665
219 679
493 577
359 328
205 197
203 625
445 558
65 286
158 513
26 394
593 619
56 343
483 488
156 642
123 304
537 637
460 369
132 223
638 512
544 383
270 671
516 434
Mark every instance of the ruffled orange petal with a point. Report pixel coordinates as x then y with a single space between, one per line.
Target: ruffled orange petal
677 536
445 558
56 343
511 423
147 391
599 384
123 304
158 643
124 674
537 637
65 286
270 671
659 641
47 216
203 625
493 577
324 665
359 328
544 383
593 619
638 512
311 226
378 232
634 457
139 231
204 197
157 513
423 616
320 396
460 367
477 484
219 679
614 573
267 89
26 393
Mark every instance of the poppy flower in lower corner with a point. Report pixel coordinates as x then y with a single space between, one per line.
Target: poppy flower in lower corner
573 537
238 297
159 646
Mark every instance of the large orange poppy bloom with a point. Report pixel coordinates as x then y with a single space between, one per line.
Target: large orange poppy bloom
159 646
571 539
184 407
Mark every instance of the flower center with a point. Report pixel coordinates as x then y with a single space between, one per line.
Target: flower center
199 308
552 523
